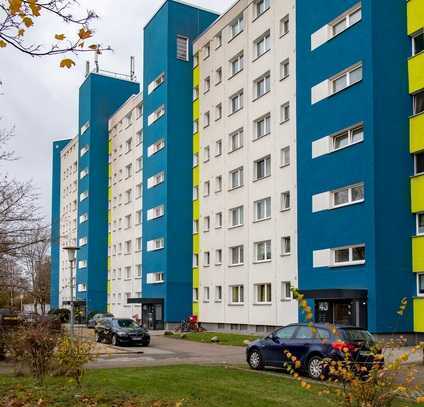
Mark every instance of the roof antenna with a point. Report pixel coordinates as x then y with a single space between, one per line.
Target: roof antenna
132 68
87 68
96 60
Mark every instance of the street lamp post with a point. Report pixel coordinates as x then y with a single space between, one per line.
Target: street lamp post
71 250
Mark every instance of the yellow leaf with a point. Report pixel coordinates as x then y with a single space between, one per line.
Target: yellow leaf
27 21
67 63
59 37
84 34
21 32
35 8
93 46
2 44
15 6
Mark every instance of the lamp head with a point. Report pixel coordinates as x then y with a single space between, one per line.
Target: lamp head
71 250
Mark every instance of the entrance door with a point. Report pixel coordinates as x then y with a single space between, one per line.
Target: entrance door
152 316
336 312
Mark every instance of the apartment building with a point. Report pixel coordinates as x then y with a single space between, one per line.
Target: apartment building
125 207
245 225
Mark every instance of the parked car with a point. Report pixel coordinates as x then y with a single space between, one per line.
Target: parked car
311 347
96 317
119 331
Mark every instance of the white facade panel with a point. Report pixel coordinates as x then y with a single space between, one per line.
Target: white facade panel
320 91
320 147
321 258
320 37
321 202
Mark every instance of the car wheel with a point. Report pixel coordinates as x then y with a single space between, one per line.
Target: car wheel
315 367
255 360
146 342
115 340
98 338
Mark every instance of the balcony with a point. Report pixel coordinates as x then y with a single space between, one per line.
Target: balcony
417 194
416 133
416 72
196 112
419 314
418 254
415 16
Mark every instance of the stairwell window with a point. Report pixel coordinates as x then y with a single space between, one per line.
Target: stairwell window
206 188
262 251
218 257
263 293
236 294
182 48
218 148
206 294
347 78
195 295
195 260
218 293
346 256
218 220
195 93
218 183
346 20
218 111
420 223
195 227
348 195
347 138
285 156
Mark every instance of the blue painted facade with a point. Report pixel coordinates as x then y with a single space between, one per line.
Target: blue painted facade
99 97
381 161
58 146
175 260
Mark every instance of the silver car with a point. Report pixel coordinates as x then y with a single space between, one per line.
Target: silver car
97 317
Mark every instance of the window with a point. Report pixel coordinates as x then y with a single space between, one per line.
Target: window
138 164
156 179
218 183
139 137
348 195
218 40
138 270
286 293
128 171
206 294
156 115
236 26
206 84
128 272
419 102
206 188
218 111
262 251
156 83
236 140
206 154
218 293
237 294
195 193
195 126
155 147
285 201
236 216
218 257
83 218
262 209
83 241
262 126
206 259
263 293
420 283
156 212
285 245
182 48
195 60
195 93
84 150
155 244
262 44
236 255
195 260
218 76
207 51
284 69
418 43
348 255
195 160
127 221
262 85
218 148
236 102
419 163
218 220
138 244
138 217
347 138
206 119
128 196
128 247
83 173
236 64
285 156
83 196
420 223
236 178
261 6
346 20
206 223
195 294
348 78
195 226
82 264
262 168
284 25
285 112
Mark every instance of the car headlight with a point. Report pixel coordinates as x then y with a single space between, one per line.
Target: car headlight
122 333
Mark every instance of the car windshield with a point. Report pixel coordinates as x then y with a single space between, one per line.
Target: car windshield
356 335
126 323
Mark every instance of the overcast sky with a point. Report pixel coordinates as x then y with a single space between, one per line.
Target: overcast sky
41 100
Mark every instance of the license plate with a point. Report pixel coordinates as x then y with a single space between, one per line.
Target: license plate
136 338
365 353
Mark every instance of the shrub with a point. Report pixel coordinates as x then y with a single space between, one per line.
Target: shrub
32 347
71 355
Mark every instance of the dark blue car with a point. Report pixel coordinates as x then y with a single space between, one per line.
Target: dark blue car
311 347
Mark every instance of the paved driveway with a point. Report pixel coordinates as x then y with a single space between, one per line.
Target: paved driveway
165 351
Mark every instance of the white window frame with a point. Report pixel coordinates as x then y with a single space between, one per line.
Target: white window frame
218 293
156 115
267 251
240 172
218 257
267 209
206 259
260 7
346 18
240 255
284 73
266 168
350 262
206 84
285 197
285 112
236 64
263 124
418 215
236 26
155 147
182 53
350 200
155 83
206 294
236 136
267 287
284 251
218 220
419 276
285 156
239 300
284 22
346 73
262 45
206 223
155 244
349 133
236 213
236 102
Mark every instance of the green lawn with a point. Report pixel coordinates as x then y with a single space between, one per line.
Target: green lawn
224 338
194 386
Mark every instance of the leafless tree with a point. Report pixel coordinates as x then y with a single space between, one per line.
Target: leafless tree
13 282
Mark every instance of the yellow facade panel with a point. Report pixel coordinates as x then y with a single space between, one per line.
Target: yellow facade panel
196 110
109 263
196 76
418 314
196 176
416 72
416 125
109 194
196 278
196 243
415 15
418 254
417 193
196 209
110 147
196 309
196 143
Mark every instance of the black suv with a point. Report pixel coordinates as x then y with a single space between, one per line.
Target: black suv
119 331
311 346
